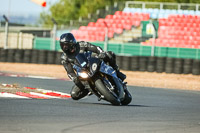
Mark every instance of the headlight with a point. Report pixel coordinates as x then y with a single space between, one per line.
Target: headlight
83 74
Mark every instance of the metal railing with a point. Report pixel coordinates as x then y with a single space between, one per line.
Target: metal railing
100 13
162 5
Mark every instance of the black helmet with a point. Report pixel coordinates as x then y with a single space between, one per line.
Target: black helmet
68 44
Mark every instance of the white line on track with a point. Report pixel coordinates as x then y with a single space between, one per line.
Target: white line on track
46 91
5 94
43 95
41 77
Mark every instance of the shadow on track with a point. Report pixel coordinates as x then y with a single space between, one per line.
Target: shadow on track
86 125
108 104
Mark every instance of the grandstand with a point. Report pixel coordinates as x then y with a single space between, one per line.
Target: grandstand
116 24
177 27
178 31
162 10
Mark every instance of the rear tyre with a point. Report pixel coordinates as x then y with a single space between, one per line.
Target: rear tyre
108 96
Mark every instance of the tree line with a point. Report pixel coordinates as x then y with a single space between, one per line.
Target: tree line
65 10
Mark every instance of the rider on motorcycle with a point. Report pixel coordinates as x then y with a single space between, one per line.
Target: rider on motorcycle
70 49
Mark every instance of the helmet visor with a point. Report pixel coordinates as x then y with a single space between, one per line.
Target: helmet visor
67 46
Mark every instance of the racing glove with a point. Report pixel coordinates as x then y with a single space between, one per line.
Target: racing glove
102 55
75 79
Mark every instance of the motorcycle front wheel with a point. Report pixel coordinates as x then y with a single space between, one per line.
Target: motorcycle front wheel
127 98
108 95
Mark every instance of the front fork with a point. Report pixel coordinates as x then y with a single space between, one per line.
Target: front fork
120 87
91 86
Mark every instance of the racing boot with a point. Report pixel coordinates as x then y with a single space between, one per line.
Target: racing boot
119 74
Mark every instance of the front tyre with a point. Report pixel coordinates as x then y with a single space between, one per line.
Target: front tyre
108 96
127 98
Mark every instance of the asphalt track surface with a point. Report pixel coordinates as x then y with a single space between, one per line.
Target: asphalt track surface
152 110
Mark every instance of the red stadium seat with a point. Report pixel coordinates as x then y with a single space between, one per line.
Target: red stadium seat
82 28
109 17
100 20
116 24
117 17
179 31
100 38
118 13
117 21
92 38
91 24
100 24
127 26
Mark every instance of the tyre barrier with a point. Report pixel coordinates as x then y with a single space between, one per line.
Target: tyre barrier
169 65
19 55
30 56
57 58
51 57
34 56
126 65
134 63
151 66
178 66
11 55
27 56
160 65
3 55
42 56
119 61
187 66
143 63
195 67
131 63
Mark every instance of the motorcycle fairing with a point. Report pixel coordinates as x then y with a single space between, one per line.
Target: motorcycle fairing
82 60
93 62
108 70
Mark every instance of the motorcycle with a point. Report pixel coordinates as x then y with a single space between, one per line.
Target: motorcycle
101 79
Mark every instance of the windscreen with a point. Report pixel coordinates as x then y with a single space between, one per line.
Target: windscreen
81 59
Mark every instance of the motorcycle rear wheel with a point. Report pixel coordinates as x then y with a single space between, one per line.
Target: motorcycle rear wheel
108 96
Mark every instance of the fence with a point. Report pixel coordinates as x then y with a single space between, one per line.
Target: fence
26 41
45 44
17 40
162 5
130 49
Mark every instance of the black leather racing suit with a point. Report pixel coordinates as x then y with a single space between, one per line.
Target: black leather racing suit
79 91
